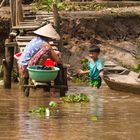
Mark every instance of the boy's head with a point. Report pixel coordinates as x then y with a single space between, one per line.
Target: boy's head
94 51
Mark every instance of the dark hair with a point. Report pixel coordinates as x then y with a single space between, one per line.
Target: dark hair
94 48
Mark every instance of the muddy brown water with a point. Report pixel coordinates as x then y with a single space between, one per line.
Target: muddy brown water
109 115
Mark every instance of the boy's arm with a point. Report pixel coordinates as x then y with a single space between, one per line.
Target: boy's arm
101 74
83 72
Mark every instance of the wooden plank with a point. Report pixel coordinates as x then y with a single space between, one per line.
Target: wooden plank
39 13
45 21
30 23
29 20
25 27
45 16
29 13
43 12
41 85
10 44
24 38
29 17
22 44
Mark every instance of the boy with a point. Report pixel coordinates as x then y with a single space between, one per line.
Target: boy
95 67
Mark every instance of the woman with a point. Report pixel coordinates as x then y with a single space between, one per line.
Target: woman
37 48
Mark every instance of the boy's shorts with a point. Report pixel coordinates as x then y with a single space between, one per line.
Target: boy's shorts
96 83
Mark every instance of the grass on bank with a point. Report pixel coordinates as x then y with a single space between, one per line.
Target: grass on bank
47 5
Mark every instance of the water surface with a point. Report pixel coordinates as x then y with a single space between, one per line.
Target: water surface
110 115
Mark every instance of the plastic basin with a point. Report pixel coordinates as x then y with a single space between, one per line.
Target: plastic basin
42 75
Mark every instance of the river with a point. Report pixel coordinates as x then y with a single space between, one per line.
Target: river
109 115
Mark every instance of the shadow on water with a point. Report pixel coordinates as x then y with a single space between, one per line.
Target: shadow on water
109 115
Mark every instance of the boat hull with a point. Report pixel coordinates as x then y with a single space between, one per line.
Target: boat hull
124 87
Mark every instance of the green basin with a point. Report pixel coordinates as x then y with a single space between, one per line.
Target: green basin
42 75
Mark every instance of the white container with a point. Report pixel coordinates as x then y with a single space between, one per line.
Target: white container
47 112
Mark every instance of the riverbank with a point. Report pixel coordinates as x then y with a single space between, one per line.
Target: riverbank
113 29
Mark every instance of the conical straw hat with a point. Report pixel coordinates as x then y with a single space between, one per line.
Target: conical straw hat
47 31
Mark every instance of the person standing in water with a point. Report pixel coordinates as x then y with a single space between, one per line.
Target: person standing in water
95 67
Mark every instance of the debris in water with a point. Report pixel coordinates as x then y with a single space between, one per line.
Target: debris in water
94 118
47 112
1 82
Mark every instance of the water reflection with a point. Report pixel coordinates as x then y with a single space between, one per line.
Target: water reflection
110 115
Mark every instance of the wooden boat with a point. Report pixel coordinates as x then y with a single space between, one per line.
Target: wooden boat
112 68
126 82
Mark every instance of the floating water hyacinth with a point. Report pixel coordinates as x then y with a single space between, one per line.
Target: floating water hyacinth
76 98
47 111
53 104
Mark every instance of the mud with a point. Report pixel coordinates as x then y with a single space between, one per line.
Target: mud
121 31
112 26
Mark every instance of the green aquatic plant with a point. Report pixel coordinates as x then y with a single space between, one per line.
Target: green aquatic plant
80 79
40 109
14 75
84 63
76 98
51 109
53 104
137 69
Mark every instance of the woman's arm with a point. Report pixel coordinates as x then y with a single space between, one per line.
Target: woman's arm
55 57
